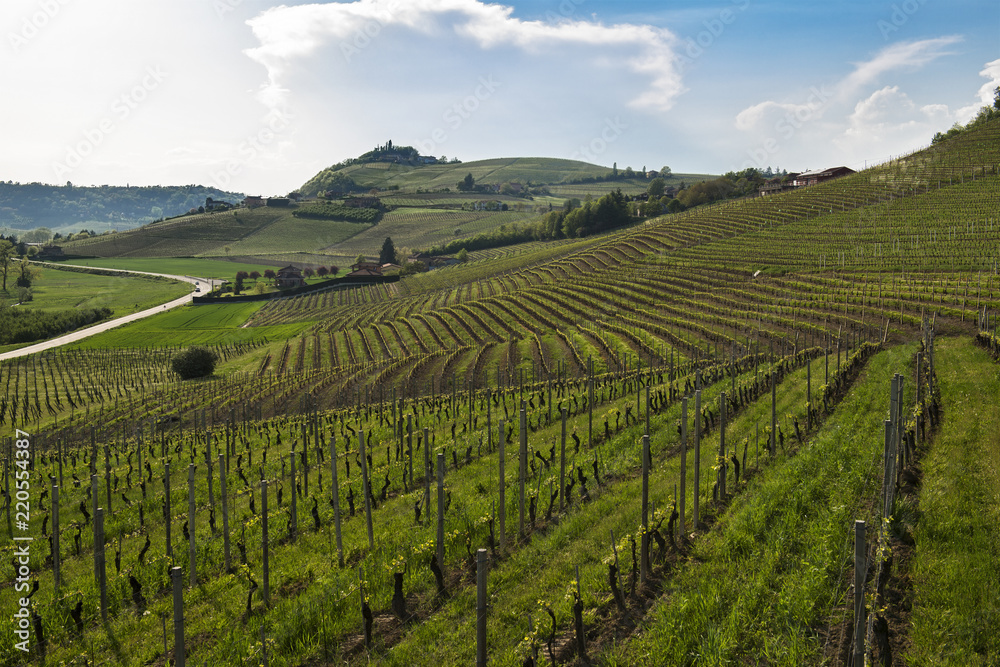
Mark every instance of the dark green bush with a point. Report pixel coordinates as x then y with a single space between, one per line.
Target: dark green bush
194 362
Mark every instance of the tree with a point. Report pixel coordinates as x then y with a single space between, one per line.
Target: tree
308 272
194 362
463 255
254 275
657 187
270 274
322 271
6 259
26 273
360 259
388 253
240 277
468 183
665 171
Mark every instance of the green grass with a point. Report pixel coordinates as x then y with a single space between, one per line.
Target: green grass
177 266
55 289
292 234
956 582
774 566
191 325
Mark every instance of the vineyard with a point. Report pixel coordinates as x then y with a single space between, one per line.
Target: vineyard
643 447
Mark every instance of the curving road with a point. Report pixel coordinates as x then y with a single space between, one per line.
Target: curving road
101 327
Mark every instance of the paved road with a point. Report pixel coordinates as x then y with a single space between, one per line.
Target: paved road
111 324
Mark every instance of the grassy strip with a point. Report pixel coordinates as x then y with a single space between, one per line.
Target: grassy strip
955 578
776 563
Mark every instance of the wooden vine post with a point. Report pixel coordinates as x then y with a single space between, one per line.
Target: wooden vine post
697 459
684 444
481 607
522 458
99 561
502 442
774 409
293 516
223 492
440 509
56 560
166 507
176 578
335 490
562 464
644 548
860 566
365 490
265 544
722 446
192 545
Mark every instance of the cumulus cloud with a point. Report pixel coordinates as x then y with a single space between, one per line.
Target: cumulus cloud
900 56
289 34
991 72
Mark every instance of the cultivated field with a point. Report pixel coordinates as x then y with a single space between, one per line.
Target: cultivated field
798 362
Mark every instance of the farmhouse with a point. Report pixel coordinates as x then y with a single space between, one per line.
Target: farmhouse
289 276
216 205
814 177
365 269
278 201
779 184
253 201
51 252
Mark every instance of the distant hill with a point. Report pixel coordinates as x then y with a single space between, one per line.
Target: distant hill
70 208
411 177
417 214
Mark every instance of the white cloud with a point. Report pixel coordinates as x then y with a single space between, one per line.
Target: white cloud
290 34
764 116
899 56
991 72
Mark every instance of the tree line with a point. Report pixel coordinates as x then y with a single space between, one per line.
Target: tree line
30 205
20 325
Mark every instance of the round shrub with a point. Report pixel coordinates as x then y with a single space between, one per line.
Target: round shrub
194 362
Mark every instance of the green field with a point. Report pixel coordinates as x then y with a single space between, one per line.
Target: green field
175 266
190 325
57 289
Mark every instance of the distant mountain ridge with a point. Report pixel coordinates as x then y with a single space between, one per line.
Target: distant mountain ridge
30 205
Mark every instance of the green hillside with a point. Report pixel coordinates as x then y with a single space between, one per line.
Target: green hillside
537 171
502 408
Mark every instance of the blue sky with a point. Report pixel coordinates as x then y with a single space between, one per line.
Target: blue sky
257 97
